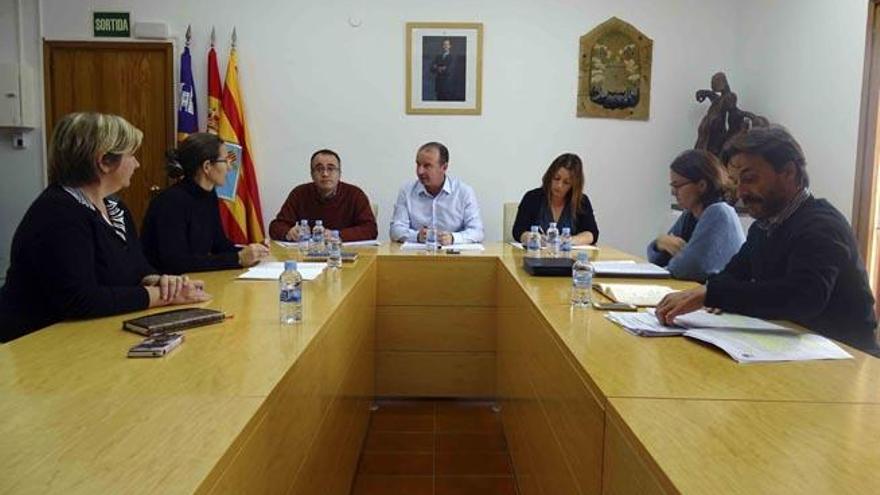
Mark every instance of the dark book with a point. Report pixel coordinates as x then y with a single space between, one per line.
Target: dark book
322 256
548 267
173 320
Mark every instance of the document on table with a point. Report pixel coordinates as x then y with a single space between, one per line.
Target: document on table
643 324
705 319
293 245
629 268
638 294
747 346
420 246
271 270
373 242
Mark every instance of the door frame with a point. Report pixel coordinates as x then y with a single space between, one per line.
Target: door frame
48 45
864 212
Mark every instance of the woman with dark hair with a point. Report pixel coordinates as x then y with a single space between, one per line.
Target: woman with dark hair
182 231
708 233
560 199
75 253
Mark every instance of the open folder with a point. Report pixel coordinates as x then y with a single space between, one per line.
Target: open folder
635 294
629 269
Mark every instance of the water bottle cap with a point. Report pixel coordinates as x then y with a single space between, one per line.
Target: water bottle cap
334 233
552 224
582 256
289 265
319 222
566 230
536 228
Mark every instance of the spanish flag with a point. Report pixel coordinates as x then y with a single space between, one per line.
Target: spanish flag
215 90
243 218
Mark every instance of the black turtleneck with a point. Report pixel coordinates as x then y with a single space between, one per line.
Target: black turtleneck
182 231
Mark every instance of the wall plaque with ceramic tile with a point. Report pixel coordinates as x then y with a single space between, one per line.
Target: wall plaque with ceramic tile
614 79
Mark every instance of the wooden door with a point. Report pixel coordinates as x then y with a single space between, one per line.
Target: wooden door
133 80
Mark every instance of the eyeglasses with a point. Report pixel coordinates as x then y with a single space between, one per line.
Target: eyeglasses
676 187
320 169
221 160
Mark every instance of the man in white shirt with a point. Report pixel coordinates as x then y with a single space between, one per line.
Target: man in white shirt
436 199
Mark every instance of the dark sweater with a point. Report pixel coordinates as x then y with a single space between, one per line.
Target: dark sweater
182 231
529 213
348 211
808 270
67 262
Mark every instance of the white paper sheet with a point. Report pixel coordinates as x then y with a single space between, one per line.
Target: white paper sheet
373 242
751 347
420 246
271 270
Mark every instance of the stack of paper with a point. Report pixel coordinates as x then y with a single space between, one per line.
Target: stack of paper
373 242
420 246
271 270
745 339
643 324
629 268
639 295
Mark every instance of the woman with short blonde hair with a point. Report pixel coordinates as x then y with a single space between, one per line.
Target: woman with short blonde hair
76 253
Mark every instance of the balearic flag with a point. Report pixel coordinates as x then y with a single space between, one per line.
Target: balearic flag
243 218
215 90
187 112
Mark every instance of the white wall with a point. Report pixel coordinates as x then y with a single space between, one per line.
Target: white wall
21 170
801 66
310 80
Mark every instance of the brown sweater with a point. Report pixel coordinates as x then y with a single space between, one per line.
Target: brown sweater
348 211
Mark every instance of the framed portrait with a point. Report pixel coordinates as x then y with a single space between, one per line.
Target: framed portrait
444 68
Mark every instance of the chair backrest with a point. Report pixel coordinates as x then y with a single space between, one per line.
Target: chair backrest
509 217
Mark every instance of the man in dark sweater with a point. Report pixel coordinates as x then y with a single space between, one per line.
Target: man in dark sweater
340 206
800 261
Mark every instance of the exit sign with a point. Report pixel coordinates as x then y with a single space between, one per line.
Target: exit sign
112 24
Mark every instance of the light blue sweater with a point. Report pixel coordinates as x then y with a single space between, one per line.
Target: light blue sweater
716 238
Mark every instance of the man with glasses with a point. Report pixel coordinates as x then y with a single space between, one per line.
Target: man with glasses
339 205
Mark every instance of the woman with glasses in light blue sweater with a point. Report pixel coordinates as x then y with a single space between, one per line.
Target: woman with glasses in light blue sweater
708 233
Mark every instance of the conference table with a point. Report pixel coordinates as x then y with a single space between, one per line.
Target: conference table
253 406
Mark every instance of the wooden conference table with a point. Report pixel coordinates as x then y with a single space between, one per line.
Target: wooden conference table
250 406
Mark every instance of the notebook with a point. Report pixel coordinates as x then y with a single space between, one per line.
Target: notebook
629 269
173 320
316 256
639 295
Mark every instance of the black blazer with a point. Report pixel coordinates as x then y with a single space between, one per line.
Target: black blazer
67 262
182 231
530 209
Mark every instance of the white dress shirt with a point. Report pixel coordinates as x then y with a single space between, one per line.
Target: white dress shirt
454 209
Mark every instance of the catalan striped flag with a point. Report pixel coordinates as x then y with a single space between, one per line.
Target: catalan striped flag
187 112
243 218
215 90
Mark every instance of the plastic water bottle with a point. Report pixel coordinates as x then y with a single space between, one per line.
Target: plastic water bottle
431 239
305 236
533 242
318 238
334 250
581 281
565 242
553 239
290 294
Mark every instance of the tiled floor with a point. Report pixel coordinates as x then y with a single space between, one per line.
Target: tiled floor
444 447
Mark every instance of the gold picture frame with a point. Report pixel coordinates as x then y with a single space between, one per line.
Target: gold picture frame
444 68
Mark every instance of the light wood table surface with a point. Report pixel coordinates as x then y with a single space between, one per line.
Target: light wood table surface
251 406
